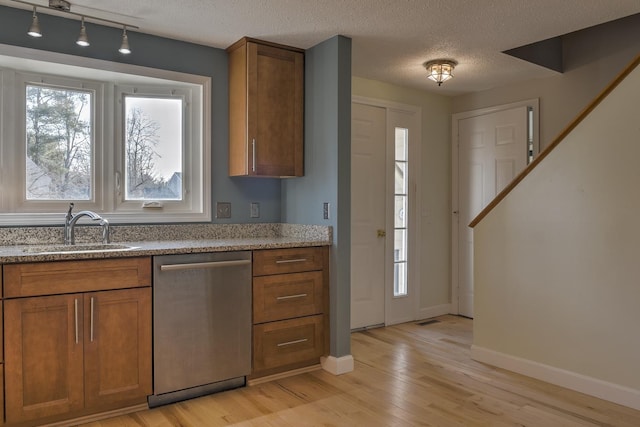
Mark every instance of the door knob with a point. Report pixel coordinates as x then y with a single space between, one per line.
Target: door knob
381 233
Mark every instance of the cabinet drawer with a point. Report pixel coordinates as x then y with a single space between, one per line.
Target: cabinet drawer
294 260
50 278
1 394
287 342
285 296
1 337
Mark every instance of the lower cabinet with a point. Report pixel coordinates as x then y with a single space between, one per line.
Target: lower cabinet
288 343
45 355
290 309
1 357
77 354
117 349
1 394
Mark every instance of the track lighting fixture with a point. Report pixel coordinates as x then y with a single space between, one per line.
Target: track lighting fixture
83 40
34 29
64 7
124 47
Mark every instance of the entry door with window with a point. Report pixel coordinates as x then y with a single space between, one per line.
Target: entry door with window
383 287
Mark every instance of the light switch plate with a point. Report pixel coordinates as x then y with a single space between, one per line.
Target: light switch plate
223 210
254 210
325 210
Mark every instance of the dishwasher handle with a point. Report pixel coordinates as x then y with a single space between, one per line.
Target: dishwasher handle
204 265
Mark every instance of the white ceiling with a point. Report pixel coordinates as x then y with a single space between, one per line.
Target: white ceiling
391 38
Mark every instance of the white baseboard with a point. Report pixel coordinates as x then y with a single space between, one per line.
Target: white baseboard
592 386
337 365
435 311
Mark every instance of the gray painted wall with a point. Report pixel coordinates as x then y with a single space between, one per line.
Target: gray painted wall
167 54
328 172
327 133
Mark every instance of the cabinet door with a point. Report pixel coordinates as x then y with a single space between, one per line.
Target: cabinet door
117 348
43 357
1 394
275 106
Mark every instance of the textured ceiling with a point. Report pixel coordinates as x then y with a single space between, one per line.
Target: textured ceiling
391 38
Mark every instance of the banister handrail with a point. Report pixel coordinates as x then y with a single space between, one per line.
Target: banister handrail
544 153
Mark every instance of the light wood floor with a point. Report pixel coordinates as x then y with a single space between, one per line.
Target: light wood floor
405 375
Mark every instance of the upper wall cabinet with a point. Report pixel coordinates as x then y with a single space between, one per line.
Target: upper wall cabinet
266 109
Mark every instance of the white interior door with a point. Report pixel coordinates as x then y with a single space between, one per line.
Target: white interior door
368 137
492 150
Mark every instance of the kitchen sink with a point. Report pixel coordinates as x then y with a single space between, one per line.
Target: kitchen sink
78 249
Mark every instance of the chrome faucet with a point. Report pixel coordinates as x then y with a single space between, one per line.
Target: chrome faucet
70 222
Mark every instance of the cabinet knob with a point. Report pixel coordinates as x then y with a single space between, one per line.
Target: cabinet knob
382 233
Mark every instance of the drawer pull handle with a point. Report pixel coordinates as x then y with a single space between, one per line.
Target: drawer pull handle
204 265
289 261
291 297
284 344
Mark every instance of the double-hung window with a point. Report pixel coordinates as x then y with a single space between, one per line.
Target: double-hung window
131 145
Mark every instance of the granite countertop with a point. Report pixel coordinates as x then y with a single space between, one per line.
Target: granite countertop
159 240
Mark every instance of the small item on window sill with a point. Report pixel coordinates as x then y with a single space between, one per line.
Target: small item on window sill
152 204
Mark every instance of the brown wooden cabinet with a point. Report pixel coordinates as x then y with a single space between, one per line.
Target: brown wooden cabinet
290 300
117 349
79 353
266 109
1 394
1 355
44 374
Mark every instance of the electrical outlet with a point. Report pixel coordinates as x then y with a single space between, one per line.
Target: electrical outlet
254 210
223 210
325 210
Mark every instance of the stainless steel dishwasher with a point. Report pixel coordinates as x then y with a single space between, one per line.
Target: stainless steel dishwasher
201 324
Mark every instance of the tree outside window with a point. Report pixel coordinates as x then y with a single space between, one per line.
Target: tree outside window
59 143
153 148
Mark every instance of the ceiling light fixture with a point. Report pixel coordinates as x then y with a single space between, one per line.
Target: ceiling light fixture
63 6
34 29
124 47
440 70
83 40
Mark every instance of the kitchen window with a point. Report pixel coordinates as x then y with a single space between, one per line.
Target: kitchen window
153 135
59 143
131 145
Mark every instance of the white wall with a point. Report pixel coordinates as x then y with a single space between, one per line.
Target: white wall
557 262
435 218
592 58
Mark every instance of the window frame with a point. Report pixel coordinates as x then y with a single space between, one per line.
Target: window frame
20 202
191 170
108 79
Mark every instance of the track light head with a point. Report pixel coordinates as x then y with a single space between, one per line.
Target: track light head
64 7
83 40
34 29
124 47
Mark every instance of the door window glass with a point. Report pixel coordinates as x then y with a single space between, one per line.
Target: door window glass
400 213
